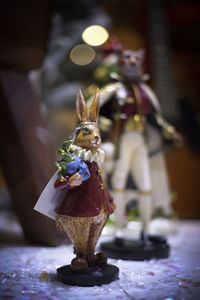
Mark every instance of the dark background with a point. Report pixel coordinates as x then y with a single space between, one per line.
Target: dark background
29 31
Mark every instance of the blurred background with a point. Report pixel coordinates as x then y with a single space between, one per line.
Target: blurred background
45 58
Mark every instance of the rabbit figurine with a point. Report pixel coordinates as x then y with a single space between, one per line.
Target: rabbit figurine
84 210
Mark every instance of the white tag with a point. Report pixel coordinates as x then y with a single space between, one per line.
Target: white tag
49 199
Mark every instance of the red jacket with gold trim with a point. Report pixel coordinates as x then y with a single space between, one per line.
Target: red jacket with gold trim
86 200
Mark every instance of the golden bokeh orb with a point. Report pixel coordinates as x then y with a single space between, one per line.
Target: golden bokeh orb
82 54
95 35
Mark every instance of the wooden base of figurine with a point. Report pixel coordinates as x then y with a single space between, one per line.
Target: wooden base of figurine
137 249
95 275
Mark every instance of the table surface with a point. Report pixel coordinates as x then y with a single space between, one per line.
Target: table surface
28 272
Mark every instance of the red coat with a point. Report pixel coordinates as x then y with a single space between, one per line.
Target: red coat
87 199
130 109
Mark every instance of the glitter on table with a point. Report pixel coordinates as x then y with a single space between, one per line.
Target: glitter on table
28 272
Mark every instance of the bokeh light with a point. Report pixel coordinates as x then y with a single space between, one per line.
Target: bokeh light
95 35
82 54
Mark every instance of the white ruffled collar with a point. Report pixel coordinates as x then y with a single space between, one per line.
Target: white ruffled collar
98 156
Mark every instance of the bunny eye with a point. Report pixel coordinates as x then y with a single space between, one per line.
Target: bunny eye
86 131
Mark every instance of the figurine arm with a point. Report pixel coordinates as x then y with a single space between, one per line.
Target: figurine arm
152 96
167 130
69 182
157 120
112 202
62 184
106 93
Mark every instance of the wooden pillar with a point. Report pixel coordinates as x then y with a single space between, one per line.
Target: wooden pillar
27 152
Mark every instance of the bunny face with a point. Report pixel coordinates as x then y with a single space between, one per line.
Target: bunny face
88 137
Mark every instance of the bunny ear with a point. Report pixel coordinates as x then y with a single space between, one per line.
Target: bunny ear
81 108
94 108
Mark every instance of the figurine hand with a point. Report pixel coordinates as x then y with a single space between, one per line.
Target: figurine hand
113 205
177 139
62 185
75 180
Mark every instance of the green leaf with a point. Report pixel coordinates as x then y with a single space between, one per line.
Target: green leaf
66 145
65 157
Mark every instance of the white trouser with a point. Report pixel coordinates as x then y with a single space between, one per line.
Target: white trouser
133 158
159 176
